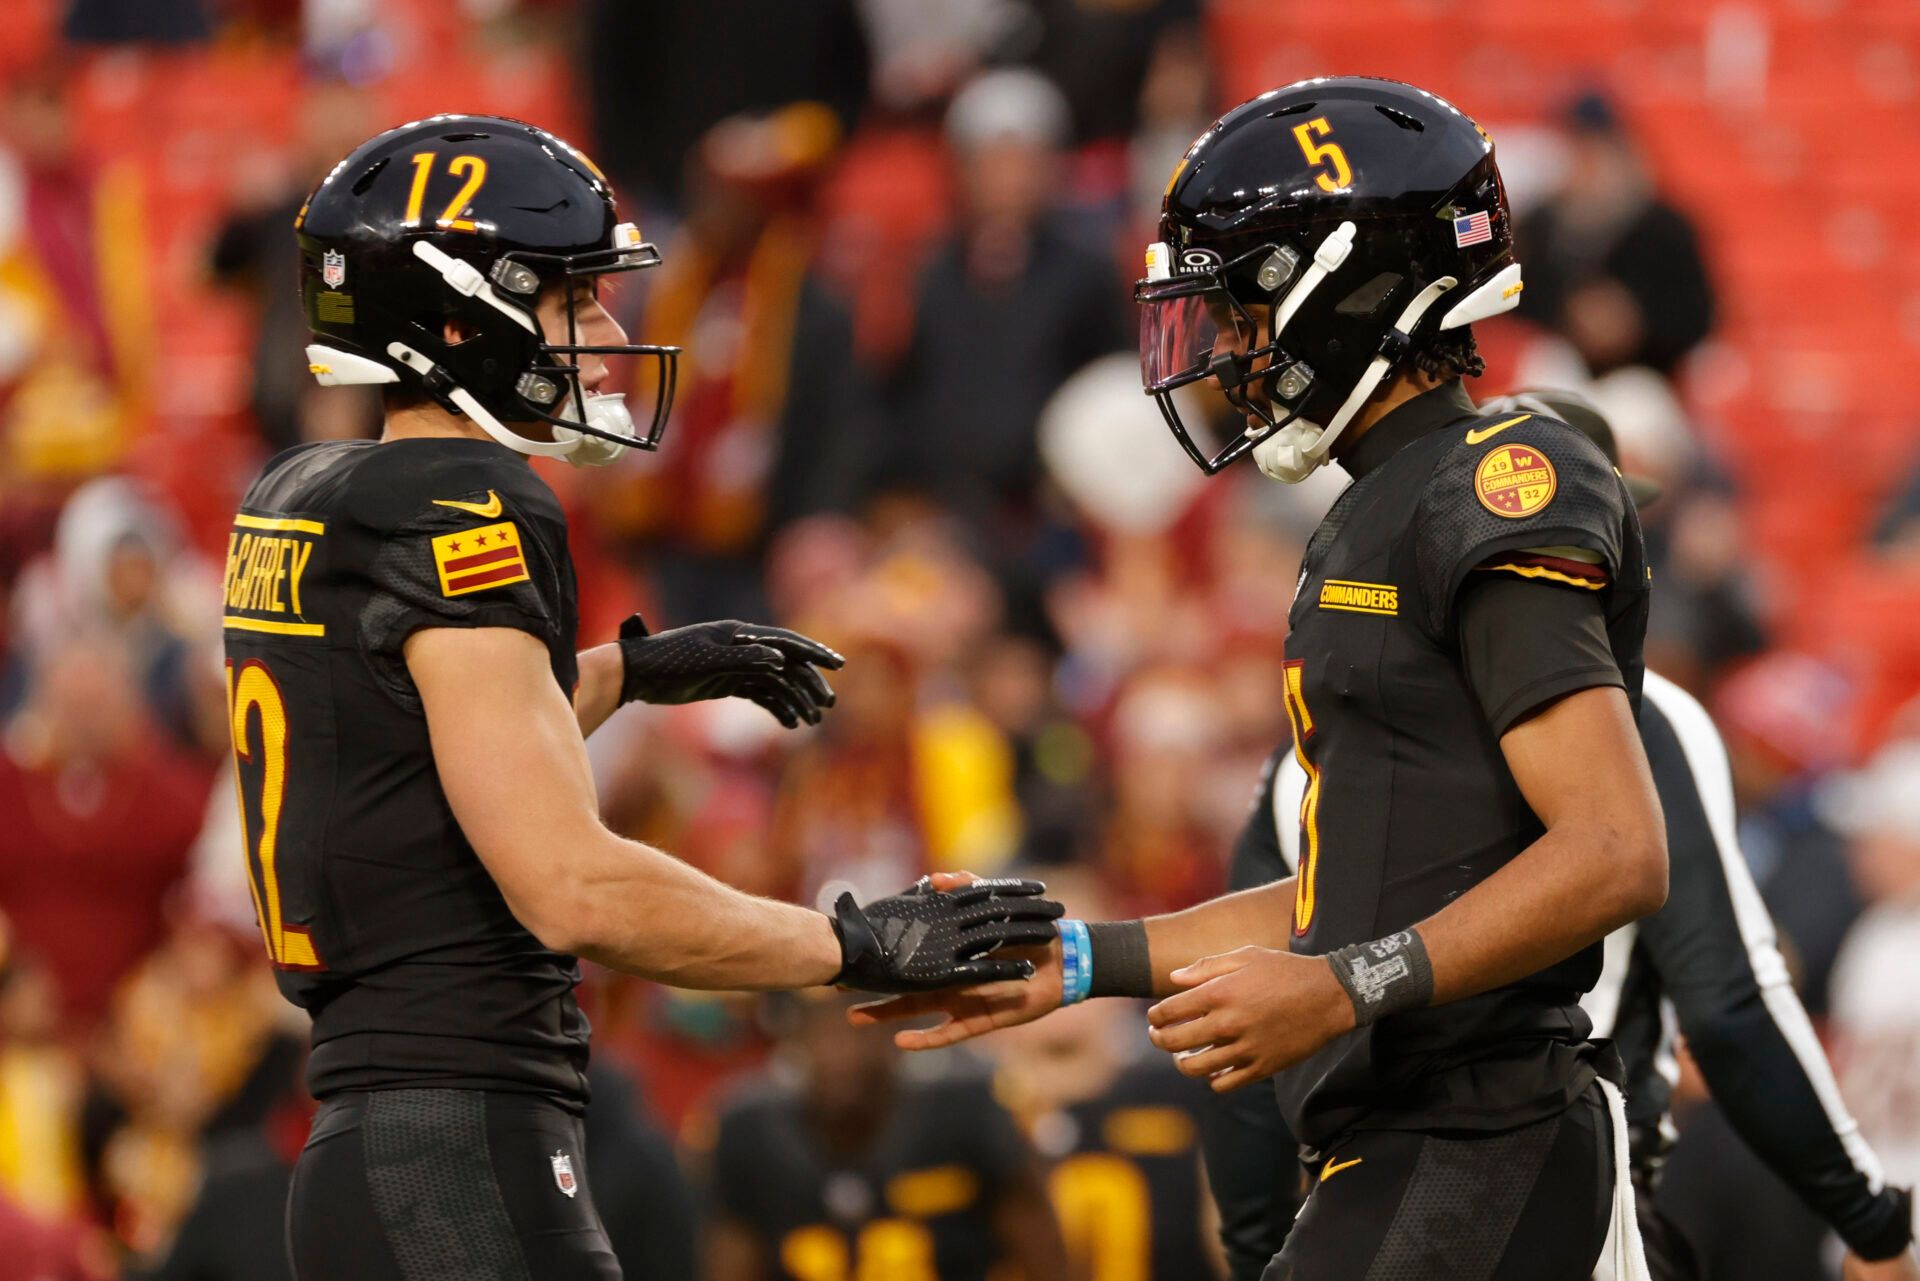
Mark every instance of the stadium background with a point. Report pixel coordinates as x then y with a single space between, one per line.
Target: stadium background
903 429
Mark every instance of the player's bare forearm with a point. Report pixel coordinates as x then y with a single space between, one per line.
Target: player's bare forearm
1259 917
1601 863
514 767
642 911
597 696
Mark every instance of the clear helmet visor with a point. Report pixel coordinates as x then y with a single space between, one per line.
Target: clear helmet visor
1184 325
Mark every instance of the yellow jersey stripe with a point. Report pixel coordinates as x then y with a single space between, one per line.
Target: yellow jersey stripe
279 522
1538 571
239 624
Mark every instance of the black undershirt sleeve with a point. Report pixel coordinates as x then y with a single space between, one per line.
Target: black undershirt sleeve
1525 643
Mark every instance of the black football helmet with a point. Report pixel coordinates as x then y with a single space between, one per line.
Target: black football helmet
1360 214
469 218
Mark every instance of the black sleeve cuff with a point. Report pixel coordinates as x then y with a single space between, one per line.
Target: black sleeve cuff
1120 963
1892 1230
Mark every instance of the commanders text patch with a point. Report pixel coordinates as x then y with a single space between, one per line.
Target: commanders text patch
475 559
1514 480
1360 598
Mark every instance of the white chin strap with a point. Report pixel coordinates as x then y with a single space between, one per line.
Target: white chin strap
1294 452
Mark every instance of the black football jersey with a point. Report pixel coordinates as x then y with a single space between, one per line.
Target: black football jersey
1409 802
1126 1177
379 918
917 1205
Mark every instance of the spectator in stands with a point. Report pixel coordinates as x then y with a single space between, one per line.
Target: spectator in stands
772 419
660 75
40 1091
1610 266
252 253
37 1250
101 814
1101 55
76 334
117 569
1011 305
1876 1003
1786 718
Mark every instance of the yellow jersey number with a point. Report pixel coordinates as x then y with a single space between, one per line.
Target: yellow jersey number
254 703
1105 1215
1307 874
884 1250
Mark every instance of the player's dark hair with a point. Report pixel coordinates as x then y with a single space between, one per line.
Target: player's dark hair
1449 353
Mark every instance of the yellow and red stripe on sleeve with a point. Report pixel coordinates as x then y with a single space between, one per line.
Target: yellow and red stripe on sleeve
473 560
1549 567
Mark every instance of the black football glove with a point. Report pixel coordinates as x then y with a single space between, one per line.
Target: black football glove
926 938
768 665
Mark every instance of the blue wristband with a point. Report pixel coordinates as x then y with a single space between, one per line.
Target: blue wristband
1076 962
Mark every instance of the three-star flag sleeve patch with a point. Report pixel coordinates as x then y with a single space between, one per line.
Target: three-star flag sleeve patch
473 560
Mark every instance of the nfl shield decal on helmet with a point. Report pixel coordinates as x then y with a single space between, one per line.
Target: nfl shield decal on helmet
563 1173
333 268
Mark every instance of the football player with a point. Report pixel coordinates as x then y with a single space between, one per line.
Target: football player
1120 1128
846 1171
1704 966
1480 812
423 840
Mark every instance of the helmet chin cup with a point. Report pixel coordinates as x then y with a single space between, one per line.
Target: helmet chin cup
1288 455
606 414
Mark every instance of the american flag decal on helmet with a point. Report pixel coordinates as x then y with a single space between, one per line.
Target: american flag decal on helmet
1472 229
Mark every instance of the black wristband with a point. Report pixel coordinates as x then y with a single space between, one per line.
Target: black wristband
1385 976
1895 1231
1120 964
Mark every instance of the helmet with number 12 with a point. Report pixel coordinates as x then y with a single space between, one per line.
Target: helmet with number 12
424 259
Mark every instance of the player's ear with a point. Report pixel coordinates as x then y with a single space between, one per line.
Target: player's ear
455 332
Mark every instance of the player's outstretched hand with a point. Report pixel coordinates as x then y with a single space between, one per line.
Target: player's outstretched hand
974 1011
930 938
1248 1013
771 666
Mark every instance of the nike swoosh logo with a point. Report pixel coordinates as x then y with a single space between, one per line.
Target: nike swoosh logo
1475 437
1333 1169
488 509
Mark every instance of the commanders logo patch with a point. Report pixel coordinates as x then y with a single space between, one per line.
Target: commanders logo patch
1360 598
1514 480
473 560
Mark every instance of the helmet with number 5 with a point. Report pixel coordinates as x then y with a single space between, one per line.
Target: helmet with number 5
1312 242
466 221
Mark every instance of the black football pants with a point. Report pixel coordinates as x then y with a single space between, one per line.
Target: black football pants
445 1185
1530 1204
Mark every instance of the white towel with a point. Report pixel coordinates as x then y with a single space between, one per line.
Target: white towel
1622 1258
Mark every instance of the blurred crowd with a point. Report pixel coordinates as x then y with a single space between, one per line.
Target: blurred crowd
899 240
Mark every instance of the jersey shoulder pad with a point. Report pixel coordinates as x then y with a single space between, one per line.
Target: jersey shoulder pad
456 534
1511 484
416 484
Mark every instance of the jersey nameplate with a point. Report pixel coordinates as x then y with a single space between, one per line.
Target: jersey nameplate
1360 598
1514 481
267 558
473 560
